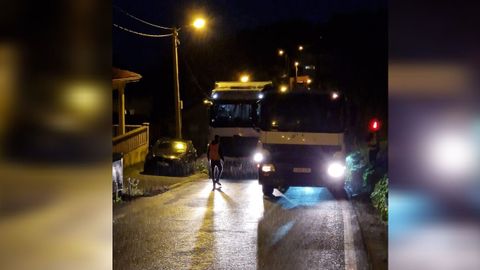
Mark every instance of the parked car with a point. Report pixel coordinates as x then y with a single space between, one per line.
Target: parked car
173 157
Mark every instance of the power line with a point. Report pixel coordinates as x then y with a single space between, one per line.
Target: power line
143 21
141 34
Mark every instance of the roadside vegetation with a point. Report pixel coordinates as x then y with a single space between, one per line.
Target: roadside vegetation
369 181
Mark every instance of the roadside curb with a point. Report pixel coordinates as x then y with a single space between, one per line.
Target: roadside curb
373 246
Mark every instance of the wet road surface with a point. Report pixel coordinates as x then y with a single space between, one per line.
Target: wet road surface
193 227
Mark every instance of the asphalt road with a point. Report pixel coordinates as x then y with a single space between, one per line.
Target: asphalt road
193 227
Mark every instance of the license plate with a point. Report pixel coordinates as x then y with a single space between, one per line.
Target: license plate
302 170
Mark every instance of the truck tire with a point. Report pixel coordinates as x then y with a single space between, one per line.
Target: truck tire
338 191
283 189
267 190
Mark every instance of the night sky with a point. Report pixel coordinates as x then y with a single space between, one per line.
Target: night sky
346 40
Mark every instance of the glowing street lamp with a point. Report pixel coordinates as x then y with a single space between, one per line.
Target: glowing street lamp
245 78
283 88
281 52
300 48
296 72
199 23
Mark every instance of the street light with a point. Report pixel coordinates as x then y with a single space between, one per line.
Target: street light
300 48
296 72
281 52
283 88
198 23
244 78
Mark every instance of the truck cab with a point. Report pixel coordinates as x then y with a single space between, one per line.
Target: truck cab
234 117
301 141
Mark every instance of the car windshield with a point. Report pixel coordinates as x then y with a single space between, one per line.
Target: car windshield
233 115
170 148
302 113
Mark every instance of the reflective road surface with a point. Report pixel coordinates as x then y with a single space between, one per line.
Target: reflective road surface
193 227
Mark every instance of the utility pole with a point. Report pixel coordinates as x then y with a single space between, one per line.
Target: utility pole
176 86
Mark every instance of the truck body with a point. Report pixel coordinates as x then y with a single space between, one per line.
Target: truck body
302 141
234 117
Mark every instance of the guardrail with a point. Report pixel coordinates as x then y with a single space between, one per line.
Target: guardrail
128 128
135 137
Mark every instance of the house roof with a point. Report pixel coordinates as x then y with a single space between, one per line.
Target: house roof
124 76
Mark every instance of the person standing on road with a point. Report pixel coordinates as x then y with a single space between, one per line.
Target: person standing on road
215 159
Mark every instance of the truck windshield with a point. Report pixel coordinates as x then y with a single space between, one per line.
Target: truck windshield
302 113
233 115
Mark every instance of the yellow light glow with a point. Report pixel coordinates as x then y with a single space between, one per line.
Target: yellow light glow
296 64
207 102
180 146
244 78
300 48
274 123
334 95
280 52
309 81
199 23
283 88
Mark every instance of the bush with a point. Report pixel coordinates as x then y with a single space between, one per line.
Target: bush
379 197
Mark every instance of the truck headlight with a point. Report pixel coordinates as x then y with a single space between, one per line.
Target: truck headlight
258 157
336 169
268 168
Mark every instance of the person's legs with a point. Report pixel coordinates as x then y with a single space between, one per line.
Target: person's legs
220 170
216 176
212 169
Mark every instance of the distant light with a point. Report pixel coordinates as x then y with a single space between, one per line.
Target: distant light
283 88
280 52
207 102
335 95
199 23
245 78
260 96
309 81
300 48
215 96
374 125
297 63
274 123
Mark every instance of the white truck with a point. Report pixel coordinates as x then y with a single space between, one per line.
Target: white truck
302 141
234 117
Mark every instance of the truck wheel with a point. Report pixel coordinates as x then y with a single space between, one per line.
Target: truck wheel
283 189
338 191
267 190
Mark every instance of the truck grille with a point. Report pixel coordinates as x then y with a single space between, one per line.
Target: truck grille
238 146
